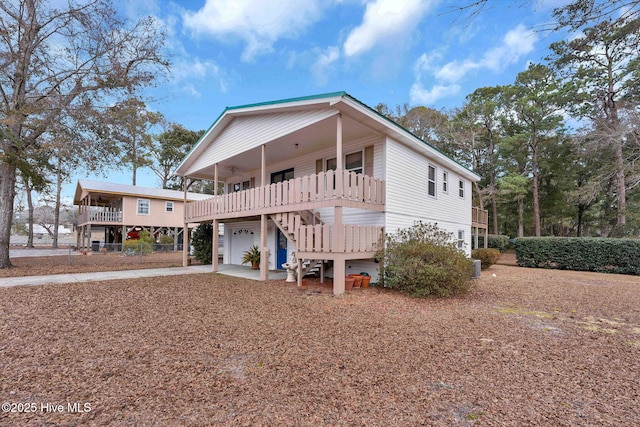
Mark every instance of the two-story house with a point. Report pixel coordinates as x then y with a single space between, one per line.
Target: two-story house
109 212
322 178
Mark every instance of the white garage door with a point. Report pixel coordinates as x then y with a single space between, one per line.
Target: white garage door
241 240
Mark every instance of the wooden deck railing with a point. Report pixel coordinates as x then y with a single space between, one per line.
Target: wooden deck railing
107 215
305 192
323 238
479 217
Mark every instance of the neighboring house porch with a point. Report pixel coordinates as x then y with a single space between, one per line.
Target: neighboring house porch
120 212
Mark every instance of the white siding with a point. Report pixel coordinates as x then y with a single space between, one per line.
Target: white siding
245 133
407 198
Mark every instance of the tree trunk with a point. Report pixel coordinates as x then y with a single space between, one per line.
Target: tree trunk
621 197
520 217
580 218
56 211
536 199
29 191
494 211
7 195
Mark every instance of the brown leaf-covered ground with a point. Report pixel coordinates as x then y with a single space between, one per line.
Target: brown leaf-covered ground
526 347
96 261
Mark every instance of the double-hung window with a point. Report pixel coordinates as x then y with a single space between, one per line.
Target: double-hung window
445 182
143 206
168 207
431 181
353 162
461 188
460 239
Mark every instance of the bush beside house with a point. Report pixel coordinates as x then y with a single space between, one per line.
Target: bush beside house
424 260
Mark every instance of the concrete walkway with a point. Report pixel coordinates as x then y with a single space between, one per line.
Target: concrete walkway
230 270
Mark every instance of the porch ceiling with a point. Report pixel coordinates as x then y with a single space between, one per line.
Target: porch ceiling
310 139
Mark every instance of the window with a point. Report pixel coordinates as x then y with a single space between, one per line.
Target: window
461 189
445 182
143 206
239 186
431 185
353 162
168 207
460 239
281 176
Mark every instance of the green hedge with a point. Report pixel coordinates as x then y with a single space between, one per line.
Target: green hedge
621 256
495 241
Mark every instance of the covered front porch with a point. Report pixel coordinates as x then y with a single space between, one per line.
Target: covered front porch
273 188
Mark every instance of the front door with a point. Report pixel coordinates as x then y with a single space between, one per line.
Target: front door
281 249
281 239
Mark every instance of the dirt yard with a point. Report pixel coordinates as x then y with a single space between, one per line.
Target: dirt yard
524 347
96 261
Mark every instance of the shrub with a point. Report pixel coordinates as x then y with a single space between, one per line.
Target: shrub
620 256
165 240
423 260
201 241
495 241
134 246
487 257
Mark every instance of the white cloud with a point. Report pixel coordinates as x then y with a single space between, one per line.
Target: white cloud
197 70
516 43
422 96
324 63
384 20
257 22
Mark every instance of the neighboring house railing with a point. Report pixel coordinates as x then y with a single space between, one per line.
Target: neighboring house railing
325 189
104 216
325 238
479 217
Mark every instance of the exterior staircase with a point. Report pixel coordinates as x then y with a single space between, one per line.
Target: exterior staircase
289 222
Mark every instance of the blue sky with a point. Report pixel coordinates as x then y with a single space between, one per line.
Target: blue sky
419 52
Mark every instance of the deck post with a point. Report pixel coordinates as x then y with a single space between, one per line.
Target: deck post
339 269
264 251
185 230
339 161
475 237
214 246
339 272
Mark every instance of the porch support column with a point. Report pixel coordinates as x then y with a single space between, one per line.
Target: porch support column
185 230
475 237
264 251
123 238
214 246
339 269
339 159
486 237
175 239
215 236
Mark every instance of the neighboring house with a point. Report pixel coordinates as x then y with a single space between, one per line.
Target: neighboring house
322 178
112 212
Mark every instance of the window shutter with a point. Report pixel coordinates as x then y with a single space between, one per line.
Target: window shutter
319 166
230 188
368 160
252 183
